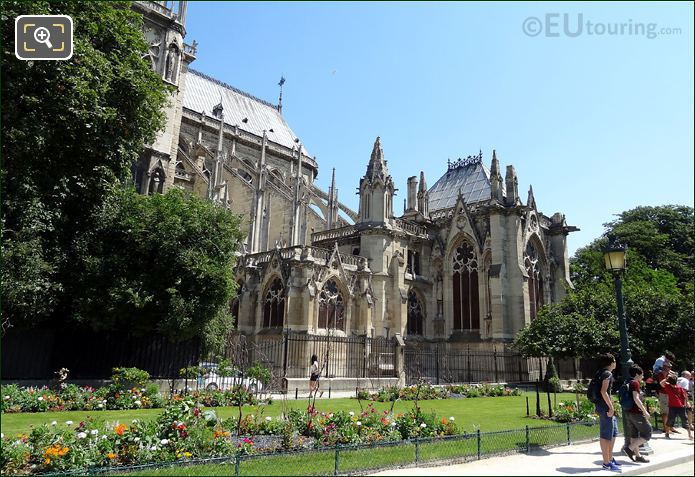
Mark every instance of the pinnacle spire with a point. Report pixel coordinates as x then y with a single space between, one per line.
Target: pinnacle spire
495 166
423 184
377 164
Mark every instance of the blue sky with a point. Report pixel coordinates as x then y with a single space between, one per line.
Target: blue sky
597 123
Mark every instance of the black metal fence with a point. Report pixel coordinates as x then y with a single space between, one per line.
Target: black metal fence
288 354
443 362
358 459
37 354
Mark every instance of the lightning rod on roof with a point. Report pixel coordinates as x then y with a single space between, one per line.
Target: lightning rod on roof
280 83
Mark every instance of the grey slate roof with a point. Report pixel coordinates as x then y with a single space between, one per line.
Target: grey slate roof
472 178
202 93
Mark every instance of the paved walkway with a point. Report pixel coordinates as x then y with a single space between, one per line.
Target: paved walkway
576 459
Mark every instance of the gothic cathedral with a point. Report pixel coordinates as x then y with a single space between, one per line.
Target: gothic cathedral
467 262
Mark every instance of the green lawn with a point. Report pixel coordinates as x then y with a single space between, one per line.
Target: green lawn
486 414
489 415
363 459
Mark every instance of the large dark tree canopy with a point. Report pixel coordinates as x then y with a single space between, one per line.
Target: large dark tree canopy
158 263
77 245
657 289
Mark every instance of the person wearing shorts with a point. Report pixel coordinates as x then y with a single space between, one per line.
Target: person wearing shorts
314 373
662 395
677 404
638 428
608 424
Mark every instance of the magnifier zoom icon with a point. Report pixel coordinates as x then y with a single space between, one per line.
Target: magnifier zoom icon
42 35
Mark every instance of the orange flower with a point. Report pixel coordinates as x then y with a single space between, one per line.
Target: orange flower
47 461
111 455
120 429
443 420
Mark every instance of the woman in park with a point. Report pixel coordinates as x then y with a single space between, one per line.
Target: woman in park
314 374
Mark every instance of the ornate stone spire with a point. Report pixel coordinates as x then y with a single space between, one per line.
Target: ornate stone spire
423 197
377 165
531 200
495 178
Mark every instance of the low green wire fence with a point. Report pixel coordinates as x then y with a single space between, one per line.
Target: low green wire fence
355 459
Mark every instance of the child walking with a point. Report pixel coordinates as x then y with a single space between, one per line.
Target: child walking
677 404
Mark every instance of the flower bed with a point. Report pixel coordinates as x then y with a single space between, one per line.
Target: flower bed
427 392
571 412
186 430
112 397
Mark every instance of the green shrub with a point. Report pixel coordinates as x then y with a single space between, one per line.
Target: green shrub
127 378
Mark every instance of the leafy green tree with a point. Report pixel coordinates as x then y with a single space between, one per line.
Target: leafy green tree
662 235
657 290
561 334
161 262
70 129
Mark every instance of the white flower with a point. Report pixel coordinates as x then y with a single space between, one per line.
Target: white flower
137 403
352 414
153 448
135 421
104 401
135 397
142 390
94 432
2 436
81 435
164 442
268 418
451 418
100 406
68 423
137 439
103 437
394 424
7 397
358 423
40 398
423 425
54 423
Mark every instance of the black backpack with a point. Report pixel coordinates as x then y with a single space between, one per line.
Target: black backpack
594 388
625 396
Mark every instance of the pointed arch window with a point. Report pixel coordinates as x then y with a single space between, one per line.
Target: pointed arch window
416 318
274 305
234 305
535 279
465 289
331 307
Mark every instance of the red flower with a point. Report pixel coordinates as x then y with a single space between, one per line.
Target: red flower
196 412
181 426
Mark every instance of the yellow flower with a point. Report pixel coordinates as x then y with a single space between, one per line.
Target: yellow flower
111 455
47 461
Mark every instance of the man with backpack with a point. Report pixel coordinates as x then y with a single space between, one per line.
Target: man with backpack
598 392
638 429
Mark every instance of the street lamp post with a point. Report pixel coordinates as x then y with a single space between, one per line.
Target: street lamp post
615 258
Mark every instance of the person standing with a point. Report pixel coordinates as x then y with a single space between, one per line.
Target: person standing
685 382
677 403
638 428
667 357
314 374
662 395
608 424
